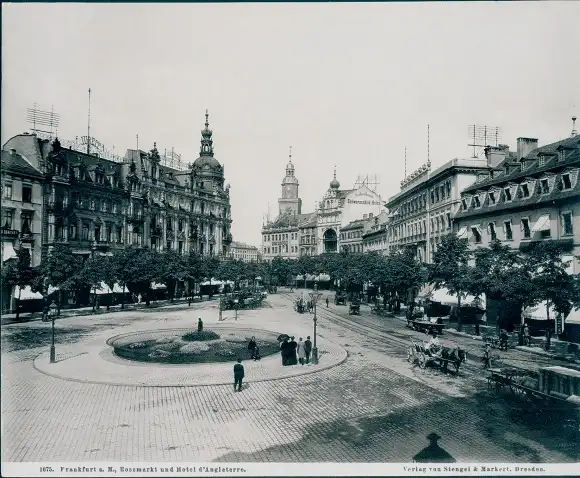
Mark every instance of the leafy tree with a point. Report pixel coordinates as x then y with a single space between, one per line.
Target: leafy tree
502 274
450 269
210 265
59 270
137 269
173 269
18 273
402 273
91 275
551 281
194 265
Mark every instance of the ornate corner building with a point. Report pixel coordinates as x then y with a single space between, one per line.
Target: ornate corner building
98 205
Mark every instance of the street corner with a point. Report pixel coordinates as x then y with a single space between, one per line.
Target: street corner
99 364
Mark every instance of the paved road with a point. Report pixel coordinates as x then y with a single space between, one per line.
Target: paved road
375 407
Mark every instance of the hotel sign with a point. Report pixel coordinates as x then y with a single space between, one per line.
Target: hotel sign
367 202
89 140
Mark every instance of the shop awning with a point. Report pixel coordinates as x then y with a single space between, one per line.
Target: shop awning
26 294
542 224
323 278
426 291
310 277
105 289
155 285
477 228
52 289
462 233
573 317
8 251
443 296
538 312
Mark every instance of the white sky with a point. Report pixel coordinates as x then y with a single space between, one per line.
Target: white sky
344 84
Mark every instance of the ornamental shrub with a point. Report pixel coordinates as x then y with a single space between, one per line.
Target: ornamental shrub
194 348
201 336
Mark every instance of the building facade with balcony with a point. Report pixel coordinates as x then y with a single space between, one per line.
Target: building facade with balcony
95 204
531 198
422 212
244 252
22 212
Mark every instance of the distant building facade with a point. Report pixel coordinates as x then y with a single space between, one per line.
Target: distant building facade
376 234
244 252
294 233
96 205
422 212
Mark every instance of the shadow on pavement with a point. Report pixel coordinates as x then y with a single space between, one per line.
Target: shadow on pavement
478 428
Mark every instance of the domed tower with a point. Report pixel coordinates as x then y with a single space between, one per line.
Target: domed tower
334 184
206 170
290 203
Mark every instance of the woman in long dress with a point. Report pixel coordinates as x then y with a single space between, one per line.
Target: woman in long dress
301 351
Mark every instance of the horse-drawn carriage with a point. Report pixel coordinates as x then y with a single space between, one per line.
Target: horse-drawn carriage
423 355
429 326
340 297
241 300
354 308
302 305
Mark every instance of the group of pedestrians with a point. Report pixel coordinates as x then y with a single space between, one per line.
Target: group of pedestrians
294 353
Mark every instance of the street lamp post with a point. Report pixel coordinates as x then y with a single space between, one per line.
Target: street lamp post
53 308
236 307
314 296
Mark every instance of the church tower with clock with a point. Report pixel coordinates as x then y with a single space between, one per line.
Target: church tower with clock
290 203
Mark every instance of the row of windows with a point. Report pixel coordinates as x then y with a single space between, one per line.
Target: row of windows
8 192
280 237
525 229
437 194
351 234
280 249
524 190
25 221
438 224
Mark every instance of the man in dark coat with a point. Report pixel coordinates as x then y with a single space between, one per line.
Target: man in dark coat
307 349
199 325
238 375
284 351
252 347
293 360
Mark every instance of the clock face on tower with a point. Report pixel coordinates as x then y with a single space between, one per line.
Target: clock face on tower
287 191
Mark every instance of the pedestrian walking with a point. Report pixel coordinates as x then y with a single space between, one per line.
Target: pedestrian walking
238 375
301 352
526 335
307 349
252 347
189 300
327 302
199 325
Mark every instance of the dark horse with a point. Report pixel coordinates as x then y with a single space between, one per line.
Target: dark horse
456 356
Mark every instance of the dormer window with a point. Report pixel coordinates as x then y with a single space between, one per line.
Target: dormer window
542 161
561 155
508 194
544 186
492 197
476 201
464 203
566 182
525 190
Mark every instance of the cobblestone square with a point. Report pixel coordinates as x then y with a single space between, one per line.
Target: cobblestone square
369 406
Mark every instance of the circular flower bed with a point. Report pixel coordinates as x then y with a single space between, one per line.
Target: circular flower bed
183 347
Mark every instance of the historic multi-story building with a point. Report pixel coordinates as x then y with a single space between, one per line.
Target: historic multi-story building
244 252
376 234
351 235
21 206
423 210
95 204
526 199
293 234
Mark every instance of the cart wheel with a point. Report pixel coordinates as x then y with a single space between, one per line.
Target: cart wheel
410 354
457 365
422 361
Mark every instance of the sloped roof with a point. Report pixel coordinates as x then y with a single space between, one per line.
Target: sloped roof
356 224
14 163
571 143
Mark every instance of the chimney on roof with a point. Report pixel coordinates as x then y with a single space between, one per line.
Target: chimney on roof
574 132
495 154
12 151
526 146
